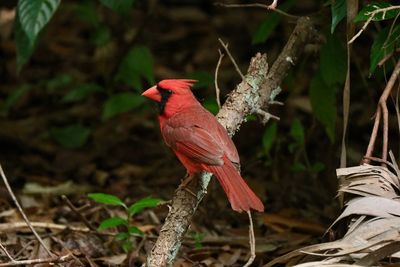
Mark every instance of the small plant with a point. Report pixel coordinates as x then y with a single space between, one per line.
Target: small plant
197 238
126 235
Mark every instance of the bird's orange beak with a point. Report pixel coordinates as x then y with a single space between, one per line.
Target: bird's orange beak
153 94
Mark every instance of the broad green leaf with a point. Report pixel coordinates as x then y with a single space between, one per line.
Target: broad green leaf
106 199
339 11
323 103
82 92
269 137
35 14
211 105
120 103
333 61
134 230
297 131
119 6
269 24
72 136
147 202
121 236
127 246
58 82
384 44
23 45
365 12
87 12
12 98
112 222
204 79
137 64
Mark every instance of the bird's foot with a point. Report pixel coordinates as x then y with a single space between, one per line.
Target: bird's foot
273 5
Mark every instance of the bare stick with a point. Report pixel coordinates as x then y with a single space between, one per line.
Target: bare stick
6 252
74 209
22 212
217 91
36 261
225 46
259 5
252 242
241 102
371 16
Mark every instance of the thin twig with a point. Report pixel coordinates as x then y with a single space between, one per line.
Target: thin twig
252 241
74 209
6 252
382 108
371 16
225 46
259 5
217 91
22 212
36 261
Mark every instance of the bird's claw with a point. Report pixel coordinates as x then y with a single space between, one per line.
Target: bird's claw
265 116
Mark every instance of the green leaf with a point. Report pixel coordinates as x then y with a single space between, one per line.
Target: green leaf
119 6
211 105
297 131
134 230
270 22
317 167
35 14
23 45
12 98
120 103
323 103
59 81
112 222
87 12
269 137
204 79
81 92
365 12
384 44
101 36
333 64
121 236
137 64
147 202
106 199
127 246
298 167
72 136
339 11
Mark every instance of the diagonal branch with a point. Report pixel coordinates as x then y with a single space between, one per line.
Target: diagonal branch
253 93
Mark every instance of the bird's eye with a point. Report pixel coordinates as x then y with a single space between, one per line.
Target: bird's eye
169 91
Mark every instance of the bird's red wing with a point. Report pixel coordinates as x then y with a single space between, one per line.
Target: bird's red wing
194 143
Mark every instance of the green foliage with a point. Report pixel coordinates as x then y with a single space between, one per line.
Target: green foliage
270 22
73 136
148 202
119 6
101 35
112 222
87 12
81 92
269 137
197 238
297 134
137 65
32 17
339 11
58 82
384 44
323 103
106 199
211 105
126 231
333 65
366 11
204 79
12 98
120 103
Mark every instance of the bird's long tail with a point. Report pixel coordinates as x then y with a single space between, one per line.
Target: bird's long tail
241 197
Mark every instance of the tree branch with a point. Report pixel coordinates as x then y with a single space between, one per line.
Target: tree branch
251 94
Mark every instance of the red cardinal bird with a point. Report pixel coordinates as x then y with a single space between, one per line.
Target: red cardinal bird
199 140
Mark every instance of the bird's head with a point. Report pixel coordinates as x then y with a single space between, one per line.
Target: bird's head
171 95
